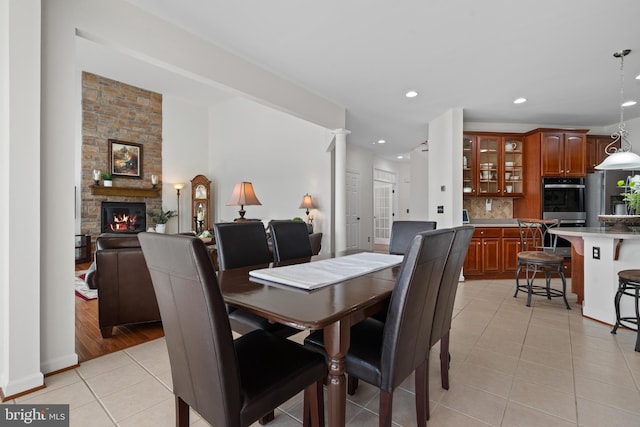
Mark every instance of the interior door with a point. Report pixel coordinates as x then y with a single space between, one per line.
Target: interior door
353 210
382 211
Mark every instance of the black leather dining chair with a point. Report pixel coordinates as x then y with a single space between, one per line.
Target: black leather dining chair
227 382
384 354
290 240
402 233
443 312
241 244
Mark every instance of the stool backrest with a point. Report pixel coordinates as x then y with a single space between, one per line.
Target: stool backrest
535 236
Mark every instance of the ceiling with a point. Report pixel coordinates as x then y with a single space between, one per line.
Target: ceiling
475 55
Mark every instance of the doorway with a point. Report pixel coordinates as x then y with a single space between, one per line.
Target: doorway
353 210
383 205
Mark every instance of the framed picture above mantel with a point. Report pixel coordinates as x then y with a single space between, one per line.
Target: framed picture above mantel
125 159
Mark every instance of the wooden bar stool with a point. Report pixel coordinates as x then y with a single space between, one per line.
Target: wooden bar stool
628 284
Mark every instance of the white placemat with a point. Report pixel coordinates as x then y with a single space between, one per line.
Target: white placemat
313 275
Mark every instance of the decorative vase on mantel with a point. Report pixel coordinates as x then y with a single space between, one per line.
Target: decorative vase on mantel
107 180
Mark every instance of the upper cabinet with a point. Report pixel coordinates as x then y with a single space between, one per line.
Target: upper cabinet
563 153
596 145
492 165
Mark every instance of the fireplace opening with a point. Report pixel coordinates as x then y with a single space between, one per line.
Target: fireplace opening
123 217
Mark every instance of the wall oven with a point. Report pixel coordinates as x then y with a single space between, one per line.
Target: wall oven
564 199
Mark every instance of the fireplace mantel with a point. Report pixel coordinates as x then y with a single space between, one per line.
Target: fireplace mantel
125 191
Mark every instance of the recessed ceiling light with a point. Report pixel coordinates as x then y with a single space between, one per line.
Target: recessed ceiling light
638 77
411 94
520 100
399 157
381 141
629 103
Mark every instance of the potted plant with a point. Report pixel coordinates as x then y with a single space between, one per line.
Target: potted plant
160 218
632 197
107 178
309 225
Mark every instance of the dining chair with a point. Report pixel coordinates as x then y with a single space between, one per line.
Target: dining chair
538 256
227 382
241 244
290 240
402 233
443 312
384 354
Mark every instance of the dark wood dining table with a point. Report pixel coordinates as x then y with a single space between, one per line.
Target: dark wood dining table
333 309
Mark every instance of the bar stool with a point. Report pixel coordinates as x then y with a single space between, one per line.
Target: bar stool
628 284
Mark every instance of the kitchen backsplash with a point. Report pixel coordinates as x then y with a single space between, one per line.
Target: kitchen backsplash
500 208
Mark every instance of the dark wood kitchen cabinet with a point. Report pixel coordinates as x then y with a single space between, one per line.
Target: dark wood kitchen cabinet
596 145
483 255
563 154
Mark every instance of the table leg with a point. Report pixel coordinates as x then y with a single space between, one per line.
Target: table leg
336 343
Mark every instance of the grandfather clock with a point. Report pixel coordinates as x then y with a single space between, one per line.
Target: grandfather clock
201 203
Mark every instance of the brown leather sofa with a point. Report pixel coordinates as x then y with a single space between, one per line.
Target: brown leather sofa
125 291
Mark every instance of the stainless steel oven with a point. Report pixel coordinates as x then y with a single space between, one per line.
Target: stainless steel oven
564 199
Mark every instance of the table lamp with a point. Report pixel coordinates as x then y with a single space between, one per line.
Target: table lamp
243 194
307 203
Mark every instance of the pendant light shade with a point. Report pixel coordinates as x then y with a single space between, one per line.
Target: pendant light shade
621 158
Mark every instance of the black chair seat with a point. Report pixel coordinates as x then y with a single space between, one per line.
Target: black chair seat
243 322
365 350
270 368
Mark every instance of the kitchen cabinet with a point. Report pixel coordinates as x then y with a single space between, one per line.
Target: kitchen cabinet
483 255
563 153
492 165
493 254
596 145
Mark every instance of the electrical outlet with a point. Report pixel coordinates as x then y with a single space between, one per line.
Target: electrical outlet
440 209
488 205
596 252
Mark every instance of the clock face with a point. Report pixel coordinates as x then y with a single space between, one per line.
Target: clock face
201 192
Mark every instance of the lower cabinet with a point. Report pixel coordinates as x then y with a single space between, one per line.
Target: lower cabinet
493 253
483 255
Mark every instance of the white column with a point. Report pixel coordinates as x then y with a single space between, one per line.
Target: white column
340 226
20 298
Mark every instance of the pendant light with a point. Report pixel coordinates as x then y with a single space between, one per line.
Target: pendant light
622 157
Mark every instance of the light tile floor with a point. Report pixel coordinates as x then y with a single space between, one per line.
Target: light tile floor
511 366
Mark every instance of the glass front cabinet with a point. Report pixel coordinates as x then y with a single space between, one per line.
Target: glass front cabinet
492 165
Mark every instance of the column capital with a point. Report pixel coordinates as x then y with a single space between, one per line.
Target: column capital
341 132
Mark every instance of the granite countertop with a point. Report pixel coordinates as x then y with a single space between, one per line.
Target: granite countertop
596 232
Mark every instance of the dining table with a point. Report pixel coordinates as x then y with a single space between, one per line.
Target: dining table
332 309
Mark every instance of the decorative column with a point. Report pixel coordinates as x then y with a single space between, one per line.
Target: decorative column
340 227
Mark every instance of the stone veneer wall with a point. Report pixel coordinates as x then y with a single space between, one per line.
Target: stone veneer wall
114 110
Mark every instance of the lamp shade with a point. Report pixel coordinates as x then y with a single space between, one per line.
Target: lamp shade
243 194
622 160
307 202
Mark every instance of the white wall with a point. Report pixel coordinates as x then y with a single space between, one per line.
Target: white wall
20 291
284 157
419 177
445 168
185 154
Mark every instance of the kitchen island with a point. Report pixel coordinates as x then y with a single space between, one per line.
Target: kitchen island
602 253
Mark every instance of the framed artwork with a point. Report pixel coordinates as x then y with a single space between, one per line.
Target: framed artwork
125 159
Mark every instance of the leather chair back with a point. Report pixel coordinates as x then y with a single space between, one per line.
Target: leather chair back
290 240
204 367
407 330
450 279
241 244
402 233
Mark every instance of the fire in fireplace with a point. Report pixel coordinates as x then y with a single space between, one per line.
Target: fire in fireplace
123 217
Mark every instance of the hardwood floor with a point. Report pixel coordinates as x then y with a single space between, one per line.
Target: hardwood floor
89 341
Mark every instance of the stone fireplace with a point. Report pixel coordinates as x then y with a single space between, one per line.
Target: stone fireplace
123 217
115 110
